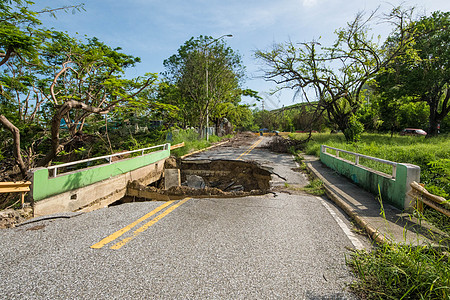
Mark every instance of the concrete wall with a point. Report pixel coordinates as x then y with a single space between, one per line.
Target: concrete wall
395 191
102 184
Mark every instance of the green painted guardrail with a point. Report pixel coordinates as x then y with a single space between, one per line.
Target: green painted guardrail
394 188
45 185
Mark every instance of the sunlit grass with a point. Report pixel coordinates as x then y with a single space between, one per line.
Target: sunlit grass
394 271
192 141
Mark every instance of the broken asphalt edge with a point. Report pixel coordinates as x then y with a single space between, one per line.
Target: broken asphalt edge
66 215
337 199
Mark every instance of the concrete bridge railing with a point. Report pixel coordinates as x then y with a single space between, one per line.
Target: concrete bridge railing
106 183
393 187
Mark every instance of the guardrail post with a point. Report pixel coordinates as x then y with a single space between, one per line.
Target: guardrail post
409 174
356 159
55 172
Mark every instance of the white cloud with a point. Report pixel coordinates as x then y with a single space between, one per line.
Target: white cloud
309 3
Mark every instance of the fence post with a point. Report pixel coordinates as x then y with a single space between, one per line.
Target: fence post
409 174
394 171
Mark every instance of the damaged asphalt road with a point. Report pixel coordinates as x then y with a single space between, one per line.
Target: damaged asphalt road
272 246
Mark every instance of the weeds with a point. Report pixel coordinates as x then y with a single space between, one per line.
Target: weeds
395 271
315 187
402 271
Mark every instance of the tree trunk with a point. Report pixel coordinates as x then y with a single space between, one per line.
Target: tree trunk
56 120
16 137
433 119
433 127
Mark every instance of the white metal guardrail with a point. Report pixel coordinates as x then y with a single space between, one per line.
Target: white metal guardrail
357 156
107 157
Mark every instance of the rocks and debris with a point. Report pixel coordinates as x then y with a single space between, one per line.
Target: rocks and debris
208 178
144 193
11 217
228 175
195 182
282 145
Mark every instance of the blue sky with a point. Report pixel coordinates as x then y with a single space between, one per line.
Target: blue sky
155 29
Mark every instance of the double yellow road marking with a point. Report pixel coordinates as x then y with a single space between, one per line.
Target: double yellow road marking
144 227
251 148
141 229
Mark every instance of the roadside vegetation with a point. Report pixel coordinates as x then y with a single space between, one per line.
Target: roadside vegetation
192 142
400 271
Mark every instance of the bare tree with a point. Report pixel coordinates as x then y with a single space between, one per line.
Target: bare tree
336 76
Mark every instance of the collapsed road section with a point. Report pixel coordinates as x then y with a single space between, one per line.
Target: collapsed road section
205 178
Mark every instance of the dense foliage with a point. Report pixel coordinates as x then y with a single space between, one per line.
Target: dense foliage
204 81
422 72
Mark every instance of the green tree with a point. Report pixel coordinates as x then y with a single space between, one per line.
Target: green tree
198 61
18 25
66 78
422 71
84 79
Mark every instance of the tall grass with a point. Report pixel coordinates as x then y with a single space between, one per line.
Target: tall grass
401 272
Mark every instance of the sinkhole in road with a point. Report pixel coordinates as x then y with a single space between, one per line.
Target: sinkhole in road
226 175
204 178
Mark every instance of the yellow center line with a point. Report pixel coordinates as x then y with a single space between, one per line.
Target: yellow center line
147 225
251 148
118 233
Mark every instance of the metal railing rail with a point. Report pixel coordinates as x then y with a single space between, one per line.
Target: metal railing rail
107 157
357 156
